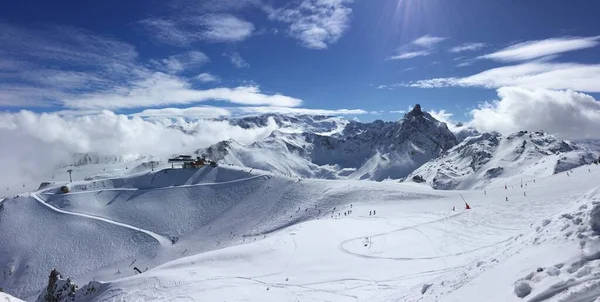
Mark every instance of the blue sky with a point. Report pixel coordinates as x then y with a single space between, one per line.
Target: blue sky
218 57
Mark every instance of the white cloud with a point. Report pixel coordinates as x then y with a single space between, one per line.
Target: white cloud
547 75
306 111
192 112
47 44
467 47
100 73
167 32
428 41
537 49
237 60
208 78
24 134
398 111
28 72
316 23
421 47
181 62
19 95
443 116
159 89
566 113
409 55
465 63
214 112
208 27
224 28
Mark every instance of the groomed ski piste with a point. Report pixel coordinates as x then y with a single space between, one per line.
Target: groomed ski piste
235 234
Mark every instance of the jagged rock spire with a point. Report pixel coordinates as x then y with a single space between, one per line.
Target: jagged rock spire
417 109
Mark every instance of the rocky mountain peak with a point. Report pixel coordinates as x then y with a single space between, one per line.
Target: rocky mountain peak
417 109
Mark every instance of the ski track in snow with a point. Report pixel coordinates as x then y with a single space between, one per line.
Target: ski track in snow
401 284
164 241
342 247
163 188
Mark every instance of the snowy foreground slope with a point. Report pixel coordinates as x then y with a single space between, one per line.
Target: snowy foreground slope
248 236
8 298
104 228
542 244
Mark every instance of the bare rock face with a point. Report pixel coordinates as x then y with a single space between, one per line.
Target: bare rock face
417 109
595 218
61 290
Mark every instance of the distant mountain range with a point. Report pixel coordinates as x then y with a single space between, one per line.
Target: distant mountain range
415 148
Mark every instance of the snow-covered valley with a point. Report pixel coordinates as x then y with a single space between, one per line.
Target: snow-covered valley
309 226
263 237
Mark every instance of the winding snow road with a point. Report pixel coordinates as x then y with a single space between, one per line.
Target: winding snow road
164 241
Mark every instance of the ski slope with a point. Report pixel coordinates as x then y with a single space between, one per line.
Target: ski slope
475 255
245 235
202 209
162 240
34 239
415 239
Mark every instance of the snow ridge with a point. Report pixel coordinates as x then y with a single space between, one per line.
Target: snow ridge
489 157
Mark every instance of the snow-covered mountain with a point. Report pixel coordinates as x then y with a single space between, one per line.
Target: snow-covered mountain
319 124
227 233
375 151
480 160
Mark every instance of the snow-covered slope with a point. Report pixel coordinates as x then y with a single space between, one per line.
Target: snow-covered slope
35 238
229 234
541 245
375 151
491 157
8 298
104 226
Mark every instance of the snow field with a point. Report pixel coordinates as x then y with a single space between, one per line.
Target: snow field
36 239
411 243
241 235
